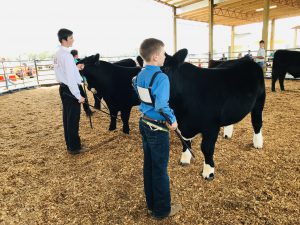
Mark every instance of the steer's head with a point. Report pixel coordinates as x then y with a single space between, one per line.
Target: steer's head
172 63
89 60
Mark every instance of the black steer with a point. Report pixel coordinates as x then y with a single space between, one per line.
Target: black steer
228 130
206 99
285 61
113 83
124 62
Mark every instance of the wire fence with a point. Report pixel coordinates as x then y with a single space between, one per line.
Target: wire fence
17 75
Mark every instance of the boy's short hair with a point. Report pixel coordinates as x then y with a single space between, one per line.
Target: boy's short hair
74 52
262 41
149 47
63 34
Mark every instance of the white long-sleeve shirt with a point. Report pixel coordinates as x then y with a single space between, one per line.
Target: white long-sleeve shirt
261 52
66 71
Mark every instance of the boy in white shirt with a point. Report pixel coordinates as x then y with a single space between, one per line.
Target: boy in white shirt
68 76
260 58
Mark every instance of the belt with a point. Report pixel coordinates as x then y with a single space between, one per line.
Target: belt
155 127
64 85
162 122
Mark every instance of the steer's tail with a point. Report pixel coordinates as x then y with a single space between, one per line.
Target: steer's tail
257 111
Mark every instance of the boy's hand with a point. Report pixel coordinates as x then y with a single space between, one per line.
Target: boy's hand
80 66
93 90
173 126
81 100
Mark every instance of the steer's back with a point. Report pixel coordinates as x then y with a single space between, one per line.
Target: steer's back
225 95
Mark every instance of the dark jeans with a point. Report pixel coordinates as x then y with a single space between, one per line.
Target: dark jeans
71 118
156 178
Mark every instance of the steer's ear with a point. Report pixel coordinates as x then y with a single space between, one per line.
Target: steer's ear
140 61
96 57
180 56
169 61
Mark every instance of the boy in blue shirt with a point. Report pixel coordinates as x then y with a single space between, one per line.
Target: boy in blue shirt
153 128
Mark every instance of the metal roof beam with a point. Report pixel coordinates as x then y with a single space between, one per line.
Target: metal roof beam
195 6
289 3
164 3
234 14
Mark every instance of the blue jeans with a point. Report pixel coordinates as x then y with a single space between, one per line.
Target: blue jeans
156 179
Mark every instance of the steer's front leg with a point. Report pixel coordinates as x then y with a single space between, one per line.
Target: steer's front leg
186 155
209 139
228 130
125 114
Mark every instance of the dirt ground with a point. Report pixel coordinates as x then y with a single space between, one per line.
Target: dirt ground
40 183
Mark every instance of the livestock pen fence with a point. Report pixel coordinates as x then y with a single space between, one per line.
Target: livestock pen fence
17 75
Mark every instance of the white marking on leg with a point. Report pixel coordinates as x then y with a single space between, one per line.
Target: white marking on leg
186 157
258 140
207 170
228 130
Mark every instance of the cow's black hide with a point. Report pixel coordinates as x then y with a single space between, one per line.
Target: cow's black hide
113 83
206 99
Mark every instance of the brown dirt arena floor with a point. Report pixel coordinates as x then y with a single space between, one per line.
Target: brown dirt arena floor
41 184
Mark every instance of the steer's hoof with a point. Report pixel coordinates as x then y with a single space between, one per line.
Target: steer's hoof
226 137
112 128
183 163
210 177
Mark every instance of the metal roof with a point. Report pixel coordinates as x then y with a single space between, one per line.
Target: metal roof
233 12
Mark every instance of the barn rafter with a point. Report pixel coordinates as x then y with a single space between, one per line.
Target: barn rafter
233 12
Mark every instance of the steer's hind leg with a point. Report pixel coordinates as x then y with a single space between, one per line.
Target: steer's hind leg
274 79
209 139
97 100
256 119
113 118
186 155
125 114
281 81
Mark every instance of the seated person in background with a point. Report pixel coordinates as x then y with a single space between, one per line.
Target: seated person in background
260 58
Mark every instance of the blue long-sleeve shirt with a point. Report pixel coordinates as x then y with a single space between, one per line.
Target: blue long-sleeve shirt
160 92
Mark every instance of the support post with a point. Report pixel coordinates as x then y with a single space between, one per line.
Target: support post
174 30
295 38
266 22
272 34
232 42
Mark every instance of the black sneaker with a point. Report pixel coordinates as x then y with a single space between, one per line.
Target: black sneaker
175 208
82 150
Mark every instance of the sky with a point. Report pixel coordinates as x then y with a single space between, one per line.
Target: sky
113 28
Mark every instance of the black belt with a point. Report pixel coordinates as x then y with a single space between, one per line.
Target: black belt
153 120
64 85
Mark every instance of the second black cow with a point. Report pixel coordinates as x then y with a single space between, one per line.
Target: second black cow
113 83
285 61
